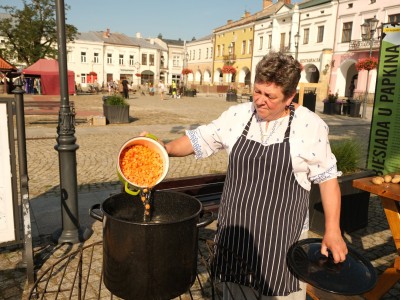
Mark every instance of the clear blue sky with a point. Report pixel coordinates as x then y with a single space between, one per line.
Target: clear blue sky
173 19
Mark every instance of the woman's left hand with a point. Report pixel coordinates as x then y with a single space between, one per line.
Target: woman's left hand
335 243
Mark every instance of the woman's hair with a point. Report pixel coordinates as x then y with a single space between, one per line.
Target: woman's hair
280 69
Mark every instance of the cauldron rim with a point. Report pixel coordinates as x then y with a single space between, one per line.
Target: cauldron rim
152 223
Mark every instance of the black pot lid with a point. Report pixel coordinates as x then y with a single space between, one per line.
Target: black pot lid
354 276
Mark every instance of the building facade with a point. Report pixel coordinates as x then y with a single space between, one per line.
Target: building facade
350 45
199 59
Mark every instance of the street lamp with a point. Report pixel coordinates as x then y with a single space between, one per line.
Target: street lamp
230 49
296 44
368 29
185 65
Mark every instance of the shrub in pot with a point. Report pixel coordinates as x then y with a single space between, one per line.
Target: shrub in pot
115 109
354 205
231 94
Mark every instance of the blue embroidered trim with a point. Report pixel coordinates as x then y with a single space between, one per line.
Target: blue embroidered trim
332 172
195 142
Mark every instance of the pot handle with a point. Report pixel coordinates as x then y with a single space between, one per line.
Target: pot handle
130 192
95 215
208 221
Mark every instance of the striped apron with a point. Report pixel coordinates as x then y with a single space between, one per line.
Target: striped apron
261 214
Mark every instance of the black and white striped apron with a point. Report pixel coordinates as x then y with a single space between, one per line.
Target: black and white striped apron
261 214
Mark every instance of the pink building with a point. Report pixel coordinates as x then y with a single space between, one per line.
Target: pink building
350 44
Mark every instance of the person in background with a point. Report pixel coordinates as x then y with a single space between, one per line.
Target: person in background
161 88
276 150
173 85
125 88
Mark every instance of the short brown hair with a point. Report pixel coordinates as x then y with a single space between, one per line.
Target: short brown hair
280 69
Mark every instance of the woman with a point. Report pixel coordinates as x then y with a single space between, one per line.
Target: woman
276 149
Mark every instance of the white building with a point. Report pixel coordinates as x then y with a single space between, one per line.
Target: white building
199 56
106 56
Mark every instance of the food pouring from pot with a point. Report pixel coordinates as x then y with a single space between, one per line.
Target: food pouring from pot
142 163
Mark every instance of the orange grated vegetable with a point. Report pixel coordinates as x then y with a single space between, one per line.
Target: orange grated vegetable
141 165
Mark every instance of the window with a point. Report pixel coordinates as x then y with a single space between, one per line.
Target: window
250 48
261 41
151 60
243 47
218 50
211 52
144 59
109 58
206 53
282 43
269 41
320 37
96 58
83 57
175 61
306 35
83 78
131 60
199 54
223 49
346 33
121 59
394 18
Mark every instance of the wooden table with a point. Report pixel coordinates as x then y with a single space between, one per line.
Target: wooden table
389 194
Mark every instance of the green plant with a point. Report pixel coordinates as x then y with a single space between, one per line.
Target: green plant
116 100
348 155
232 91
332 98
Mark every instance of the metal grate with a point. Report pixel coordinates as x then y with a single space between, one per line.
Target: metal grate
79 276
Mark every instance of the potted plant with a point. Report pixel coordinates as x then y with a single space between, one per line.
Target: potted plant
231 94
330 104
354 202
190 92
115 109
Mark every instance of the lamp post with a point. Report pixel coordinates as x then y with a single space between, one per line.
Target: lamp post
185 65
230 49
296 44
368 29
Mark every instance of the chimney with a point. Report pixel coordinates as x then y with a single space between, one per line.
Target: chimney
246 14
267 3
107 33
287 2
138 35
229 21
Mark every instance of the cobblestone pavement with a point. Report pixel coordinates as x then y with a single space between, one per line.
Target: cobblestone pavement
97 179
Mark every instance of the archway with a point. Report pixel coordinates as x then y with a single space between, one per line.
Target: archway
207 76
344 77
311 73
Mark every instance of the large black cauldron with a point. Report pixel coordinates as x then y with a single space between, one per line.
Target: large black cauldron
149 260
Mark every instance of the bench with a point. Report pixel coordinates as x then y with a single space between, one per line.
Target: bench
206 188
39 107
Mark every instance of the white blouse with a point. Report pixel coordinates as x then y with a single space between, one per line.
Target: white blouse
311 155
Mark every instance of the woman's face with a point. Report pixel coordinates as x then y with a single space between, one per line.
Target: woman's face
269 101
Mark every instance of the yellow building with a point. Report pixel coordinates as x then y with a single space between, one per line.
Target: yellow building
233 50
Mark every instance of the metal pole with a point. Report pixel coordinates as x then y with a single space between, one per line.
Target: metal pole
364 110
24 179
66 147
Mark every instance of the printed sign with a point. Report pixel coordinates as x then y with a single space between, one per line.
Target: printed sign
7 232
384 143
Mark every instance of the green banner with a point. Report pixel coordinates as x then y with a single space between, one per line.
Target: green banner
384 143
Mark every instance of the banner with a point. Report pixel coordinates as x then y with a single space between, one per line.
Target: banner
7 232
384 142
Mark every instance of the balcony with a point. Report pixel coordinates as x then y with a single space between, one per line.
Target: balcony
363 45
231 57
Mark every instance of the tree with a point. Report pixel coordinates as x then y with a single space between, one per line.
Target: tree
31 32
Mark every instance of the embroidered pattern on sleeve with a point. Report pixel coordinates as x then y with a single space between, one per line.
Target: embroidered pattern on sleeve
195 142
332 172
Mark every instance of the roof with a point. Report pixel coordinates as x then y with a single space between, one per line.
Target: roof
115 38
312 3
173 42
258 15
43 66
6 66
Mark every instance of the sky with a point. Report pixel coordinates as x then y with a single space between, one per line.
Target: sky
174 19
